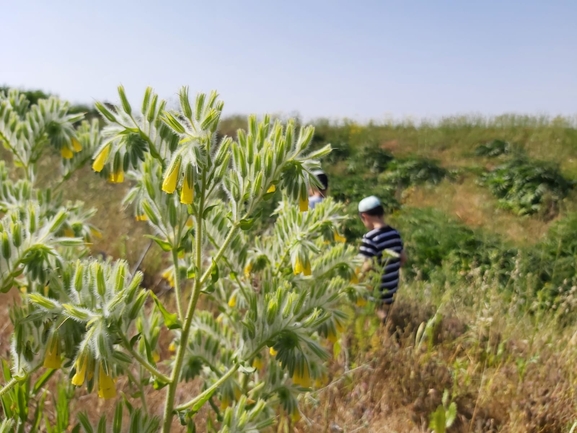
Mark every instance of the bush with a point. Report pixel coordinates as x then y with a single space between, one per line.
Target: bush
493 148
413 171
527 187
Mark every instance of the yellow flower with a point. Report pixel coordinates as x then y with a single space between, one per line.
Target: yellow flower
76 145
172 347
52 357
69 233
189 222
361 302
303 204
296 415
81 365
303 377
247 270
332 336
224 402
298 267
257 362
169 276
117 176
95 233
237 394
272 188
187 192
272 351
66 152
321 381
340 327
155 356
171 179
106 388
101 159
141 217
232 301
339 238
307 269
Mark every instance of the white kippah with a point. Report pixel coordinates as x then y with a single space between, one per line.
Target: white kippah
369 203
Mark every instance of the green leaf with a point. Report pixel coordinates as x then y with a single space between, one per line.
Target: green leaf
214 273
42 381
83 419
166 246
451 414
117 423
247 223
134 339
437 422
170 320
102 424
207 210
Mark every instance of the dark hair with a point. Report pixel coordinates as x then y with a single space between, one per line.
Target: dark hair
324 180
376 211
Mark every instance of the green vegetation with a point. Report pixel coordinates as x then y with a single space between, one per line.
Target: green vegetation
482 336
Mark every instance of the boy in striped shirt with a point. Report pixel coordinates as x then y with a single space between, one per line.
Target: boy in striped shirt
381 237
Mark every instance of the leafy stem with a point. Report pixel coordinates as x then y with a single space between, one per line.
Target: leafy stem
153 370
209 391
8 386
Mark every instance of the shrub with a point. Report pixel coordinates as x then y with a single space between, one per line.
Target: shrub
413 171
527 187
493 148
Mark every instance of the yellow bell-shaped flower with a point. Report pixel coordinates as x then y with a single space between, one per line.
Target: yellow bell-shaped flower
117 176
307 272
52 357
272 188
272 351
106 387
298 266
247 270
187 192
232 301
171 179
66 152
332 336
76 145
303 204
141 217
81 365
361 302
339 238
295 415
257 362
224 402
302 377
101 159
172 347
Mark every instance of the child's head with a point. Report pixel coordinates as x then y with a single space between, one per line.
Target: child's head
323 180
371 212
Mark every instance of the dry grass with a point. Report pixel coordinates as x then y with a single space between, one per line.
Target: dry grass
475 206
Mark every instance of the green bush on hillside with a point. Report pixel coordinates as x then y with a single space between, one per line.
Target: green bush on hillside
432 238
413 171
494 148
527 187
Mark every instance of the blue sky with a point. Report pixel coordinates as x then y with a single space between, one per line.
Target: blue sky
358 59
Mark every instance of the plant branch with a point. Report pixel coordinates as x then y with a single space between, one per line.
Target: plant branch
8 386
152 370
177 283
208 392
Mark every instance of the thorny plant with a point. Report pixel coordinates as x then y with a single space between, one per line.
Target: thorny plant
277 297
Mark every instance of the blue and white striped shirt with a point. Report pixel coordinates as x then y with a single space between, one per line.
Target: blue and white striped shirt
373 245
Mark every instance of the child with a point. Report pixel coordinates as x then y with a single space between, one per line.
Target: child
379 238
316 195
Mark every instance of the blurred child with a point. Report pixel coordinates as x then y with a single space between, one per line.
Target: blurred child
316 195
381 237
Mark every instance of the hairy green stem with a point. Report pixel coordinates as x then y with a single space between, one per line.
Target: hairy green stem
177 283
198 284
143 361
171 391
8 386
208 392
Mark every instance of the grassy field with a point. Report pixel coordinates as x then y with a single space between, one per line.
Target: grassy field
486 310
